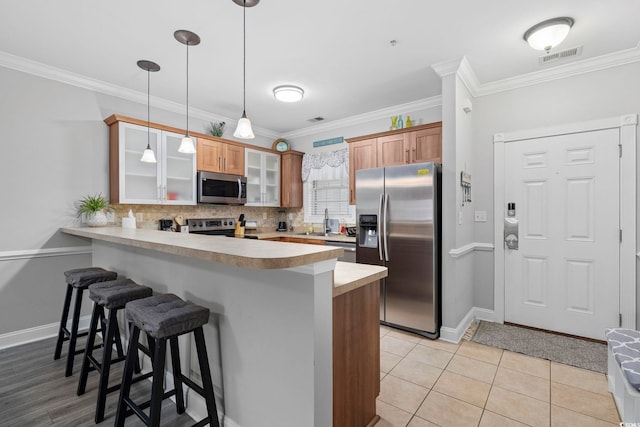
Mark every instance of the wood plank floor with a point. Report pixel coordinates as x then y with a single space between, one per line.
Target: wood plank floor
35 392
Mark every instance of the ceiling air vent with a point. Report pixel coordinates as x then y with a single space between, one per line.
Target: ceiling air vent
568 53
316 119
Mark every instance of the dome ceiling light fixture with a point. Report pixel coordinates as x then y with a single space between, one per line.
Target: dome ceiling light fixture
288 93
548 34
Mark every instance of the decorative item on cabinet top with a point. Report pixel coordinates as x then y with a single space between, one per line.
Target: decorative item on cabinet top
281 144
217 128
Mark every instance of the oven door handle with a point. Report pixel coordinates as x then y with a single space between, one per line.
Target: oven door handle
239 189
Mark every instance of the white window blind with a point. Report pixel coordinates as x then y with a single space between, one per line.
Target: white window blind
329 194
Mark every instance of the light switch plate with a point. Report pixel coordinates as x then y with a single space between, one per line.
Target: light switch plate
460 218
480 216
139 217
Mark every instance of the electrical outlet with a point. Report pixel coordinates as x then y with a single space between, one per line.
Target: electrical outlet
290 216
110 217
139 217
264 215
480 216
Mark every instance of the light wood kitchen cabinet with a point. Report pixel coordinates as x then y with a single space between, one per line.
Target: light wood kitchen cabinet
362 155
170 181
291 179
426 145
393 150
417 144
217 156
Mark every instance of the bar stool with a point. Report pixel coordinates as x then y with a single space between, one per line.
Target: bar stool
113 296
165 317
78 279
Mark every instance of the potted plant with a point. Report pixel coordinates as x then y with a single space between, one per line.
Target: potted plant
216 129
94 209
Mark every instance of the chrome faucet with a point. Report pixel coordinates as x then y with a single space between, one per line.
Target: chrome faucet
327 229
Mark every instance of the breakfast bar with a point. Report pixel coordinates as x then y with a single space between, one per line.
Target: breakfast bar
290 328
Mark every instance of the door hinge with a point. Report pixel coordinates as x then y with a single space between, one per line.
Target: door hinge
619 320
620 150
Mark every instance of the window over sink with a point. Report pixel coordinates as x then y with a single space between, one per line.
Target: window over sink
326 186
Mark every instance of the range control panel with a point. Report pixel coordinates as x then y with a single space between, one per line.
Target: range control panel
211 224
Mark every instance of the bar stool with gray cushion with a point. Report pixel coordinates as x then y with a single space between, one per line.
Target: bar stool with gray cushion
111 296
165 317
78 279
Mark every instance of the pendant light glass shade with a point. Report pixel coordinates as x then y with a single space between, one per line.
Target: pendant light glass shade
147 155
549 33
187 146
243 130
187 38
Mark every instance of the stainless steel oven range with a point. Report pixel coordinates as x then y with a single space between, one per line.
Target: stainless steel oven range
212 226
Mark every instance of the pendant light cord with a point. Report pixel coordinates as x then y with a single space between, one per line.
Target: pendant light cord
187 135
148 108
244 58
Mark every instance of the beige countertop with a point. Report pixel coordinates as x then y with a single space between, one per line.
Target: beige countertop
299 235
349 276
246 253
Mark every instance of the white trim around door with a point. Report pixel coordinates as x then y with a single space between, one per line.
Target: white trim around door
627 126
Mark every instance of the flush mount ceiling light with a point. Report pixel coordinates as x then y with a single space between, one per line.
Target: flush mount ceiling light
190 39
244 130
288 93
548 34
147 155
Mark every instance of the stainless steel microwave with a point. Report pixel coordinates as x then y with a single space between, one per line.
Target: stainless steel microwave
222 188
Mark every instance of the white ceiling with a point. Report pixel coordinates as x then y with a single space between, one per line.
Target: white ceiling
338 51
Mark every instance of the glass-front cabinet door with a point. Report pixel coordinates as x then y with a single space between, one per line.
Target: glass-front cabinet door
171 180
139 181
262 170
179 185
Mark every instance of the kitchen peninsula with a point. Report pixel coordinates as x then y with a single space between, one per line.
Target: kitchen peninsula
295 332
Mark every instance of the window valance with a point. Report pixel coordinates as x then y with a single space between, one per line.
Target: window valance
326 166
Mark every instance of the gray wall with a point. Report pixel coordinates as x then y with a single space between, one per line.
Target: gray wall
600 94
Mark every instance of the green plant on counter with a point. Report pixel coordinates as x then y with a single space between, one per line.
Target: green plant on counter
92 204
216 129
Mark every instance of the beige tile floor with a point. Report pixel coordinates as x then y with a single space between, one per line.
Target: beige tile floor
434 383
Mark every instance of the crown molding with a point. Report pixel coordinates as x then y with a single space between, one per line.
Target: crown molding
39 69
422 104
602 62
462 68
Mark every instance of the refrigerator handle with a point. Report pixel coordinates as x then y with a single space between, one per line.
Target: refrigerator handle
379 226
386 212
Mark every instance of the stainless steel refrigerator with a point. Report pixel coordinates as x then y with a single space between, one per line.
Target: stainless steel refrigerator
398 226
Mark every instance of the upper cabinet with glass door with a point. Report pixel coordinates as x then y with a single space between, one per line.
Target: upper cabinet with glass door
262 170
172 180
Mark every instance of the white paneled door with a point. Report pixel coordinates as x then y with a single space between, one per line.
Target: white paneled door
565 274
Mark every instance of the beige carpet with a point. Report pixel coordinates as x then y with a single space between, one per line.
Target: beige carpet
557 348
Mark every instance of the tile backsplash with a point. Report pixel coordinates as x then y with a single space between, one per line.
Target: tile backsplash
152 213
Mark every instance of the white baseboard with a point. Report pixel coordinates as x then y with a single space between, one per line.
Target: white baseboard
24 336
454 335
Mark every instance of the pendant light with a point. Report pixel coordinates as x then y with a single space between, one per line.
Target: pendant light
244 130
190 39
148 156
